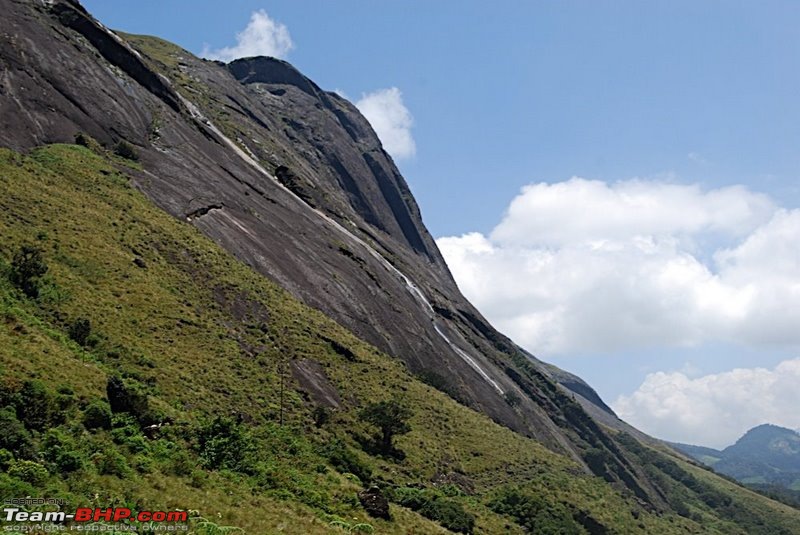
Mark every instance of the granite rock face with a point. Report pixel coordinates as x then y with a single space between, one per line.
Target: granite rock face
292 180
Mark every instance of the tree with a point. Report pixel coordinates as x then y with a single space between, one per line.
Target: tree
26 269
391 417
79 330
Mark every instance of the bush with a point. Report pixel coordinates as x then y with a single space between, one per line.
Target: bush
9 392
111 462
126 432
125 150
321 416
6 458
225 444
10 486
79 330
61 450
37 408
534 513
69 461
27 268
143 464
346 461
29 472
85 140
97 415
128 396
65 399
449 513
14 437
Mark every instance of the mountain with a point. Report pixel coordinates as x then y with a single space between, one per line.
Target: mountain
765 455
213 277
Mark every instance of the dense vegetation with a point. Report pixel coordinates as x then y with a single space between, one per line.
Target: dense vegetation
142 366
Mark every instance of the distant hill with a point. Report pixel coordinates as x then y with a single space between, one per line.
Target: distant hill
765 456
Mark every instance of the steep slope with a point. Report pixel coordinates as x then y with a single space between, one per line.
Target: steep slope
171 313
292 181
200 335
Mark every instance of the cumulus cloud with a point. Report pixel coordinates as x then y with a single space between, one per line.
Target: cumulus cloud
262 37
583 210
391 120
714 410
587 266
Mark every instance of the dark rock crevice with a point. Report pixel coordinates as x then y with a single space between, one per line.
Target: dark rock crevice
397 205
203 210
354 193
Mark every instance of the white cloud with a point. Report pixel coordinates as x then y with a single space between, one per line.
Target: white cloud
714 410
391 120
586 266
262 37
582 210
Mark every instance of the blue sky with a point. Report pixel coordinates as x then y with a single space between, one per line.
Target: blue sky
688 97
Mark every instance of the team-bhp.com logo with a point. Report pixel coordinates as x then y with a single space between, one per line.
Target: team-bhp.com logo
87 514
93 519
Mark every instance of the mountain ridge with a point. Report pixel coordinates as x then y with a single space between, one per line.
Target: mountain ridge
765 455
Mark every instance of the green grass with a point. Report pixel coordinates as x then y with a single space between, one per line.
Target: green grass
205 336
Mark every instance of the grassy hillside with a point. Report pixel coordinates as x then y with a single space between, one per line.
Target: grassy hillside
139 313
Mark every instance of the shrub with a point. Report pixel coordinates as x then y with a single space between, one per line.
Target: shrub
111 462
143 464
125 150
97 415
65 398
414 499
321 416
85 140
14 437
391 418
181 464
27 268
225 444
29 472
598 461
126 432
61 450
534 513
128 396
79 330
9 393
69 461
37 408
449 513
6 458
346 461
